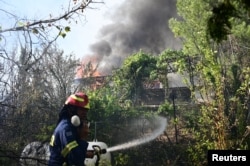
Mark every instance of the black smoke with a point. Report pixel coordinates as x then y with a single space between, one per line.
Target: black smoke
136 25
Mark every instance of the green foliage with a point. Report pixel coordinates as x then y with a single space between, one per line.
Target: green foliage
104 103
166 109
217 72
107 111
63 34
121 159
167 62
166 59
106 106
67 29
133 73
35 31
43 136
223 12
219 25
203 136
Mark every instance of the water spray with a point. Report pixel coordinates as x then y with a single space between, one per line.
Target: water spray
162 122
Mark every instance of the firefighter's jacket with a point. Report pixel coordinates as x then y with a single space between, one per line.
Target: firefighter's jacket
65 146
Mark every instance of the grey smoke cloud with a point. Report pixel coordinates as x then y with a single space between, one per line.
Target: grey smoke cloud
136 25
101 48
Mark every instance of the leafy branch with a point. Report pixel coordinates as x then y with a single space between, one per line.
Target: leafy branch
42 25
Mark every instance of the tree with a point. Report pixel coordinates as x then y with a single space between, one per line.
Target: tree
223 12
133 73
40 28
166 63
221 87
33 94
35 82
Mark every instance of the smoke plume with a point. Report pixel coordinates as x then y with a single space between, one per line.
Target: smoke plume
136 25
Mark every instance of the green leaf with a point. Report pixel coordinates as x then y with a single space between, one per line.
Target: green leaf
35 31
67 29
63 34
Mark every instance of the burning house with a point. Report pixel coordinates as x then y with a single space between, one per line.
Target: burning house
135 25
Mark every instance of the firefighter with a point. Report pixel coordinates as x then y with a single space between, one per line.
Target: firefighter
68 145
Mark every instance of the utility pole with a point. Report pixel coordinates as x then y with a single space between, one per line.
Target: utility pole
173 97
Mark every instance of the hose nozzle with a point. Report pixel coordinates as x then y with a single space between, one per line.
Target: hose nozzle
103 151
98 150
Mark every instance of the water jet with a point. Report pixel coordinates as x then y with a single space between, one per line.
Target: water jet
161 122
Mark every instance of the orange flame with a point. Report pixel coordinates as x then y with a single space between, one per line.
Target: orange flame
88 67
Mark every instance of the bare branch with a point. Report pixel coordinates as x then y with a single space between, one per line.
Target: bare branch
76 10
